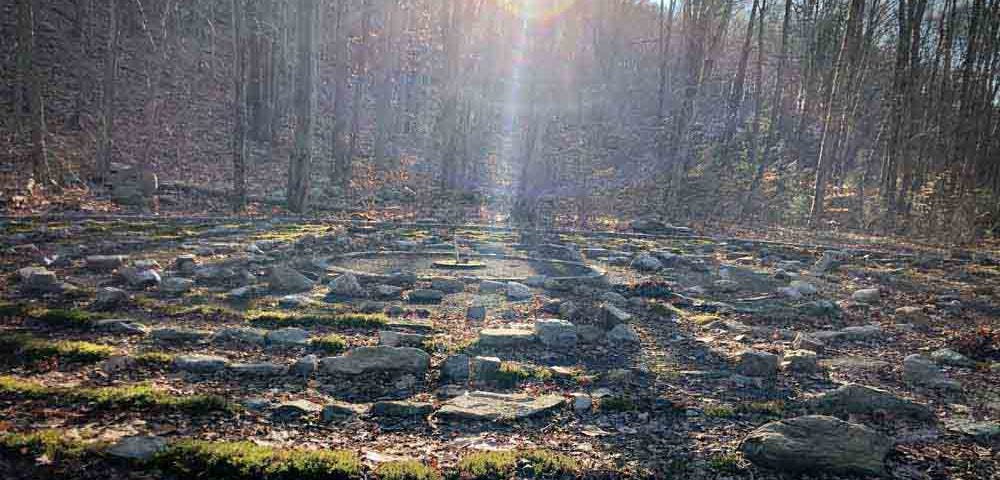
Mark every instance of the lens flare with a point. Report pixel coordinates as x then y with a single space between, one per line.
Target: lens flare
537 10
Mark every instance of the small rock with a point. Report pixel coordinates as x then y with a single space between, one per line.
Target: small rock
456 369
920 370
288 336
389 292
424 295
590 333
485 368
264 369
448 285
582 403
186 264
38 279
805 288
914 316
505 337
109 298
556 333
854 399
176 285
200 363
947 356
646 263
105 263
829 262
296 410
305 366
801 361
615 299
805 341
518 291
401 339
338 412
117 363
476 313
496 407
490 286
254 336
623 334
139 448
172 334
614 316
401 409
138 278
376 359
283 278
866 296
348 286
755 363
121 325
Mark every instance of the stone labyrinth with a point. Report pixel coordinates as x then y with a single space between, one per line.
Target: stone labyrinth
628 354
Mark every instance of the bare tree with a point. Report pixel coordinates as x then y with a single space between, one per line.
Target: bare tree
300 166
31 83
239 107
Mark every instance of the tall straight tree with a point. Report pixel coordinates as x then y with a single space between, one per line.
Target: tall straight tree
105 142
299 167
239 107
340 171
31 83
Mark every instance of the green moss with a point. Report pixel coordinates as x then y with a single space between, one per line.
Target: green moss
27 348
11 310
503 465
719 411
343 320
406 470
154 359
54 444
773 408
728 463
65 318
332 343
618 404
133 397
245 460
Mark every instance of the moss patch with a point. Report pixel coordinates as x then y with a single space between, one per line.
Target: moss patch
406 470
516 464
331 344
54 444
245 460
132 397
26 348
268 319
65 318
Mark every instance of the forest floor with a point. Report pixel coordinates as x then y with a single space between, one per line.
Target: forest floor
212 338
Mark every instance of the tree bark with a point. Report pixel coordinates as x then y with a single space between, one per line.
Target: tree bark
299 168
239 107
105 144
31 82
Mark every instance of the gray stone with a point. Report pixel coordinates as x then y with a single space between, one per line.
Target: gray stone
829 262
38 279
295 301
377 359
556 333
264 369
121 325
139 448
456 369
241 293
117 363
296 410
485 368
186 264
854 399
214 274
305 366
254 336
590 333
139 278
496 407
866 295
425 295
614 315
753 363
582 403
983 431
337 412
283 278
448 285
200 363
804 341
288 336
109 298
614 298
389 292
804 288
105 263
401 409
920 370
518 291
176 334
801 361
401 339
476 313
850 334
947 356
505 337
490 286
817 444
914 316
646 263
176 285
623 334
348 286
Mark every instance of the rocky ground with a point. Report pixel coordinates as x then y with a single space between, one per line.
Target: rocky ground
689 357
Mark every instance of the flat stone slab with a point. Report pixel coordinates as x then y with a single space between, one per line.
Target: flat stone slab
376 359
505 337
493 407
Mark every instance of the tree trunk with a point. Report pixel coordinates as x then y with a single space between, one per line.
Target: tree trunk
341 168
105 144
737 90
32 84
299 168
239 106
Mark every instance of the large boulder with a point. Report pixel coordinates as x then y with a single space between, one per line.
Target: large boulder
288 336
817 444
200 363
556 333
286 279
38 279
140 448
854 399
753 363
135 186
505 337
105 263
137 277
176 285
493 407
377 359
922 371
646 263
